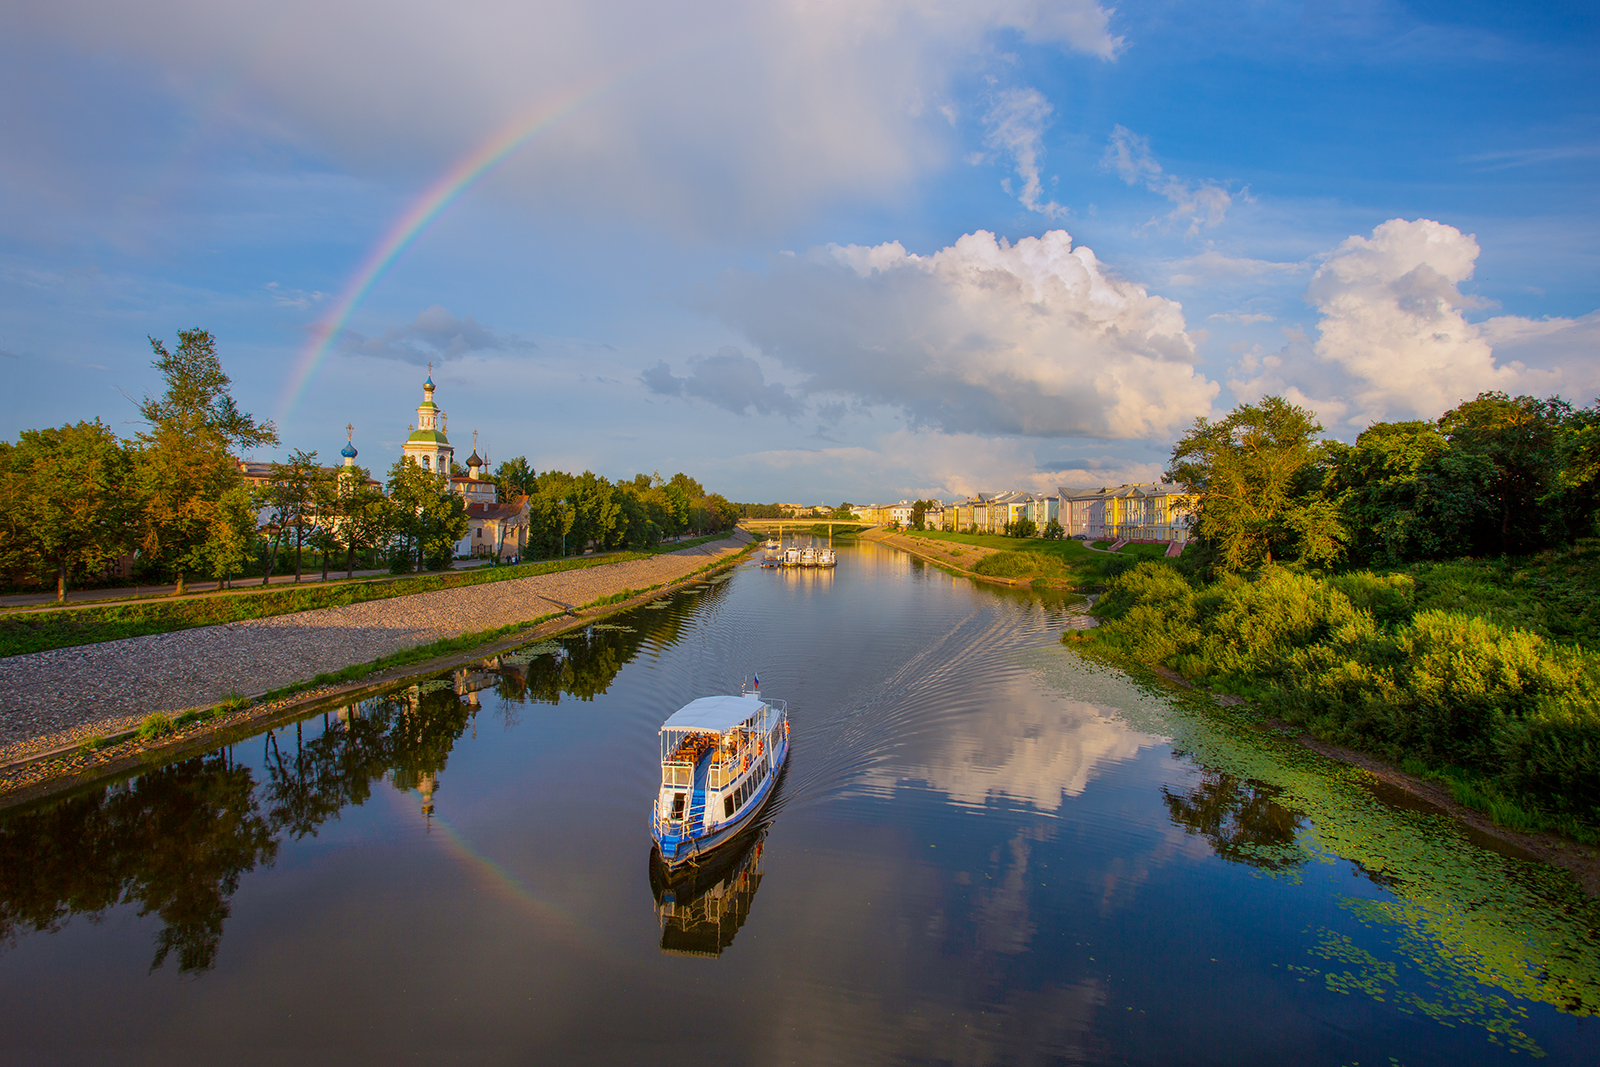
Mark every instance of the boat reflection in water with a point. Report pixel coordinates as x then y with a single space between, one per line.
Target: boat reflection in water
701 908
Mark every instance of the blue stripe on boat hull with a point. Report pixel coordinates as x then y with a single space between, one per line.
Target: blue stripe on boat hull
677 851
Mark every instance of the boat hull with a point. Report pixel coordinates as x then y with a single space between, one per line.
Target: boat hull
678 852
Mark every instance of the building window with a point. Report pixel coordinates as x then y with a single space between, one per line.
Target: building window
425 463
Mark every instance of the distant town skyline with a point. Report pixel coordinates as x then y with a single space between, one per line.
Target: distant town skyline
865 252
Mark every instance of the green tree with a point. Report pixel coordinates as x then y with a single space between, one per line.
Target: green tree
233 535
363 516
515 478
1404 493
1023 527
1053 531
1518 437
64 508
291 496
186 463
1256 475
1578 449
429 517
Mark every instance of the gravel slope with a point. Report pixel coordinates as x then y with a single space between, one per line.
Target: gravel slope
87 688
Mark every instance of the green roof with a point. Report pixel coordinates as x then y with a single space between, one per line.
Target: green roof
427 437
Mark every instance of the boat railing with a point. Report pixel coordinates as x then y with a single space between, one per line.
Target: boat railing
677 775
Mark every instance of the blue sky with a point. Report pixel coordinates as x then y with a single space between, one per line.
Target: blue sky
806 251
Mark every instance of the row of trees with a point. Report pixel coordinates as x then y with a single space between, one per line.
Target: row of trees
75 499
1497 475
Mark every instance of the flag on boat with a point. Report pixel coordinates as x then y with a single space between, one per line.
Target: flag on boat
757 681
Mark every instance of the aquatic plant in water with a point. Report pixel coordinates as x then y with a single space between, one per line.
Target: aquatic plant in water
1466 932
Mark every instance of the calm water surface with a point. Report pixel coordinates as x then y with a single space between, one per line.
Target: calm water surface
985 850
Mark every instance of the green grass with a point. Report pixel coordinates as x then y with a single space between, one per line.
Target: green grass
1065 560
21 633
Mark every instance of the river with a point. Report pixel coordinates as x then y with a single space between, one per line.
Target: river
986 849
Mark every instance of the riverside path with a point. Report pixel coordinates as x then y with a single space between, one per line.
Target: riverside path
66 693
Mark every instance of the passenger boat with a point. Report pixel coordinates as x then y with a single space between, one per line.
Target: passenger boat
770 543
791 556
827 558
808 557
720 757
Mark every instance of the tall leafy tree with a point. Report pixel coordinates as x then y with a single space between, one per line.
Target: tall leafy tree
233 535
363 516
1406 494
64 506
429 517
1519 437
186 460
1255 473
515 478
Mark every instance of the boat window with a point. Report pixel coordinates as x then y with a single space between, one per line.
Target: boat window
677 805
727 806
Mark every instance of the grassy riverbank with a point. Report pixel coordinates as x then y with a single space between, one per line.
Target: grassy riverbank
38 631
1064 562
1482 674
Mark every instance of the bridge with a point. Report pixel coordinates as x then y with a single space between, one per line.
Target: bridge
778 524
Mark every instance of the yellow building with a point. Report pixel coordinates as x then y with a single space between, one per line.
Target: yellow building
1140 512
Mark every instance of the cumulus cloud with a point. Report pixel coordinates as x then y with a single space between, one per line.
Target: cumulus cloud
730 379
1395 342
434 336
923 463
1393 319
708 114
1200 203
1016 125
1033 338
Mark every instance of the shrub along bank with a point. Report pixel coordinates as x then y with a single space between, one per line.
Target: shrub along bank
1054 561
1443 669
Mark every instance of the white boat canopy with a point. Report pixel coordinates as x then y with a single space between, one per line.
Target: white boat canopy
714 714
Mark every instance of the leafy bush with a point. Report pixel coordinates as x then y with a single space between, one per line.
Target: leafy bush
1390 598
1347 657
1020 564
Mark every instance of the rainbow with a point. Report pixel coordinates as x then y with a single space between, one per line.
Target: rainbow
424 210
501 882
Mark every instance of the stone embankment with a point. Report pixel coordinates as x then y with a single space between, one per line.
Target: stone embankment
70 693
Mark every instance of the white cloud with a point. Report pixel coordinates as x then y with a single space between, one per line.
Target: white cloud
1395 341
984 336
1393 320
730 379
1243 318
1212 267
1016 125
435 335
709 114
299 299
910 464
1200 203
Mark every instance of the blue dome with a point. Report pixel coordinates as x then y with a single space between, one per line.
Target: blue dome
349 451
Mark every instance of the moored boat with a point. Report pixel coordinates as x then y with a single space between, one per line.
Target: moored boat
720 757
808 557
770 543
827 558
791 556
